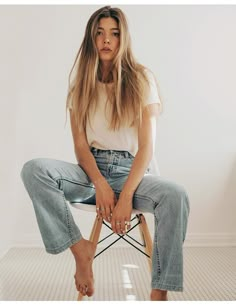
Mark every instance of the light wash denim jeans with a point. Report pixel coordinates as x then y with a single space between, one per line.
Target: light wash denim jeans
50 183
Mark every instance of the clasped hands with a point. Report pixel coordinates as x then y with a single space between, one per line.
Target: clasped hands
116 212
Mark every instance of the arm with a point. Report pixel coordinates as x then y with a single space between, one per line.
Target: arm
105 196
82 151
146 145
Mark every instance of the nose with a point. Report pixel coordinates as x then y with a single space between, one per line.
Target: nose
107 40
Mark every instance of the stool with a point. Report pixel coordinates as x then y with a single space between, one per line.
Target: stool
139 220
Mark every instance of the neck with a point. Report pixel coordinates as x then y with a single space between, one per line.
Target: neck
105 70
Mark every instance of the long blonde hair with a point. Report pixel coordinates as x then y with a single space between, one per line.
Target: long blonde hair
130 82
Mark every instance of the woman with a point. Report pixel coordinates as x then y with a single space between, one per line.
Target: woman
114 104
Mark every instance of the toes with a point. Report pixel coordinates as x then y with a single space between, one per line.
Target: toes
80 289
84 290
89 292
87 289
76 284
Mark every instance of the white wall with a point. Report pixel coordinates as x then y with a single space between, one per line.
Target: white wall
8 156
191 49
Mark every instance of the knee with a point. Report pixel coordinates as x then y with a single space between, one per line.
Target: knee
30 169
177 198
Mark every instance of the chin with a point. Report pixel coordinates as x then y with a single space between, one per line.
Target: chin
107 57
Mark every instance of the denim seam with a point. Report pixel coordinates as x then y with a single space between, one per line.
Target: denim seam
67 218
164 286
74 182
157 254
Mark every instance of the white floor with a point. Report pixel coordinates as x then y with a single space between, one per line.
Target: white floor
120 274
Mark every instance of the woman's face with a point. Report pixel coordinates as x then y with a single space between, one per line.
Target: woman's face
107 39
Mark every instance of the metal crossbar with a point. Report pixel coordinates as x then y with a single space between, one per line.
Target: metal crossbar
122 237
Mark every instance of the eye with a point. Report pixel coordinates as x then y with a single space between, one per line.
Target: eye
117 34
99 32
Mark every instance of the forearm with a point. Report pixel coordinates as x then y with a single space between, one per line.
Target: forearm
146 141
105 196
87 161
138 169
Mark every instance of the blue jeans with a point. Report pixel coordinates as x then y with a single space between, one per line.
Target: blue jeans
51 183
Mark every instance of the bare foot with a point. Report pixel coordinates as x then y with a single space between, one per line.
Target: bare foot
83 252
158 295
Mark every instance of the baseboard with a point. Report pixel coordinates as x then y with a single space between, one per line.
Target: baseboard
210 240
4 248
192 240
3 252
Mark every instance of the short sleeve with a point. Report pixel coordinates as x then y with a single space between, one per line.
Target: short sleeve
153 94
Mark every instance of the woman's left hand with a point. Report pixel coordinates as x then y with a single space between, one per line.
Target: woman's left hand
121 215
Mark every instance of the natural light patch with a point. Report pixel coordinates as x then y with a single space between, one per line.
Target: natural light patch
126 279
130 297
131 266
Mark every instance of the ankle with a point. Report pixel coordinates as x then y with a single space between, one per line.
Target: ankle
158 295
79 247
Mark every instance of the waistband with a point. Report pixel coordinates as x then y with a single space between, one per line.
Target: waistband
96 151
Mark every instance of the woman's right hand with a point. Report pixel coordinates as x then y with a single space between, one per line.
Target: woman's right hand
105 199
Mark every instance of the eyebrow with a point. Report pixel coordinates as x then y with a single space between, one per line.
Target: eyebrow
100 28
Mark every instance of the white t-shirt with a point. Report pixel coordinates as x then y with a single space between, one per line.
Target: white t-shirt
124 139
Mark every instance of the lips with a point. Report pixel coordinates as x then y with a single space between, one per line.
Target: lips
105 49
